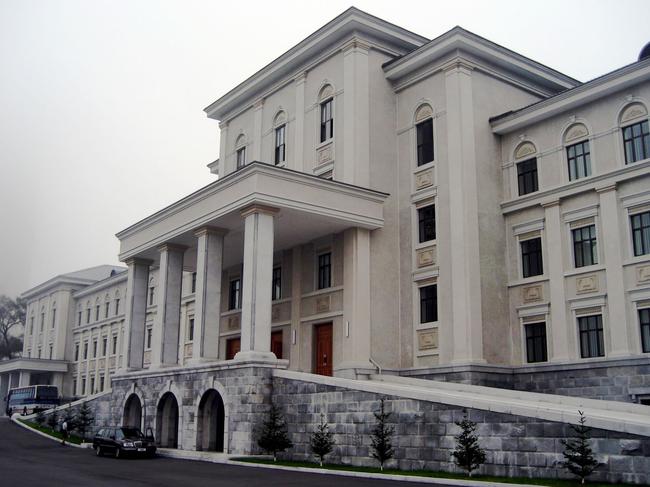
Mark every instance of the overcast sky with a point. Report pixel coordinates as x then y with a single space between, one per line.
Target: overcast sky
101 119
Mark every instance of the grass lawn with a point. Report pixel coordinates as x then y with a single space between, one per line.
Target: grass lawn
425 473
50 432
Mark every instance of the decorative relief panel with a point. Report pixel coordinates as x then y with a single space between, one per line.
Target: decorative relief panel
426 256
425 111
187 351
323 304
576 131
525 149
233 323
111 362
643 273
275 313
633 111
587 284
531 294
147 357
325 154
423 179
428 339
101 363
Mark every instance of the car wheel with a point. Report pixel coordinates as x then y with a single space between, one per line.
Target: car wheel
118 452
98 451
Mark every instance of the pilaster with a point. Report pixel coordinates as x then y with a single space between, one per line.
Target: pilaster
298 153
223 144
258 108
296 297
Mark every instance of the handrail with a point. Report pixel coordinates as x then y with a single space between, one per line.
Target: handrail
373 362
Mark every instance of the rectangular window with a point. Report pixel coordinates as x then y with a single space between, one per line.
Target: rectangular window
74 387
53 318
425 141
636 140
536 343
83 386
427 223
97 313
531 257
641 233
114 344
193 282
280 146
190 330
429 303
326 121
149 334
527 176
325 270
106 308
151 295
94 348
234 298
644 322
87 315
92 385
104 346
39 352
585 251
76 352
579 160
42 321
591 336
117 306
85 350
51 351
31 325
276 283
79 318
101 383
241 157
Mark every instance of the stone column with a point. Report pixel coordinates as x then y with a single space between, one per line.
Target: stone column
258 108
297 155
207 304
296 293
612 246
24 378
356 303
166 326
554 266
223 144
256 284
4 389
134 314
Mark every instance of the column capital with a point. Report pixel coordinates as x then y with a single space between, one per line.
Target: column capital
355 44
458 66
263 209
301 78
606 188
223 125
550 203
137 261
208 230
258 104
171 247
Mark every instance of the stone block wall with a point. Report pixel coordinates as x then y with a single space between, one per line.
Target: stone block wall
424 435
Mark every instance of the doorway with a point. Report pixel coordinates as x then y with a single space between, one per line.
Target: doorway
276 343
133 412
210 422
233 346
323 349
167 421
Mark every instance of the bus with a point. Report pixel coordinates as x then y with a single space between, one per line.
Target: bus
31 399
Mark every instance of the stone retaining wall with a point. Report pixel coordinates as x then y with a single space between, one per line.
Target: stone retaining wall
424 435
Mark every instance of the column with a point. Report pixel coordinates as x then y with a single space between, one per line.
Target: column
223 145
296 297
4 389
356 114
258 108
134 313
356 302
207 304
256 282
555 268
297 155
466 302
166 325
612 245
24 378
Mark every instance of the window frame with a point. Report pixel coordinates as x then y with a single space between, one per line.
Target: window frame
423 301
326 109
190 329
586 159
422 222
280 150
580 244
522 260
522 176
645 141
276 283
234 300
600 336
643 316
645 250
240 157
420 130
527 342
324 270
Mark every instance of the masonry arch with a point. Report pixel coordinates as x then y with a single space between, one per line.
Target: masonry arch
210 422
167 421
132 413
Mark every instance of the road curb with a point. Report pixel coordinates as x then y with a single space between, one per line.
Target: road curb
44 435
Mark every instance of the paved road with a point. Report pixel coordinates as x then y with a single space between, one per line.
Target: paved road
28 460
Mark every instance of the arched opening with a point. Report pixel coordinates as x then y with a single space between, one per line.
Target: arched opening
210 422
133 412
167 421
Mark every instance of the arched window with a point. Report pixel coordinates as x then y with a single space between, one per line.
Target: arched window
424 134
280 132
53 314
578 152
326 99
526 168
240 151
636 132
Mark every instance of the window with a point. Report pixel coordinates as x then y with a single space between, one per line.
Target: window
280 146
114 344
101 383
97 313
531 257
585 251
234 301
536 343
79 318
579 160
427 223
429 303
106 308
83 386
326 120
148 343
42 321
53 317
92 385
104 346
636 140
644 321
117 306
74 387
76 352
39 352
641 233
193 282
527 176
87 315
85 350
51 351
241 157
151 295
325 270
190 330
425 141
31 325
591 336
276 283
94 348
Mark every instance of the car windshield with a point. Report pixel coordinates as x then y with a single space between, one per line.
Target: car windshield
131 433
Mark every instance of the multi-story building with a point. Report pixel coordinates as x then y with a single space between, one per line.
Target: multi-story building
440 208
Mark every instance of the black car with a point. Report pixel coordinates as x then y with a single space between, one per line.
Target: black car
124 441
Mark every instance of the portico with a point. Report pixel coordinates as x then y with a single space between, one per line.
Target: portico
246 218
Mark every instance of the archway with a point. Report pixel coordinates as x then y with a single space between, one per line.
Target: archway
167 421
210 422
133 412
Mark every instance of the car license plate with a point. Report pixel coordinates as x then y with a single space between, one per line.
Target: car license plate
142 449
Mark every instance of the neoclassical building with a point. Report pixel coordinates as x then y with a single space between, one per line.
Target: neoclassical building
443 209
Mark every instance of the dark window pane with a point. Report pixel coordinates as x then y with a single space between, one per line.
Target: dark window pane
579 160
276 284
636 140
644 321
280 147
429 303
527 176
531 257
324 271
427 223
584 246
425 141
234 300
591 336
536 343
641 233
326 121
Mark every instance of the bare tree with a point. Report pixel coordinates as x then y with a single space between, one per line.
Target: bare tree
12 314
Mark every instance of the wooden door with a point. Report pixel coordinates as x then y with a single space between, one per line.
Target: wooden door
232 347
323 358
276 343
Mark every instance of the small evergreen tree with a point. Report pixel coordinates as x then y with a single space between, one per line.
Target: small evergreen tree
468 454
274 437
322 440
53 420
40 418
578 456
84 420
382 448
70 418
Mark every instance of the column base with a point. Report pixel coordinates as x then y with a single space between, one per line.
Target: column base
255 356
